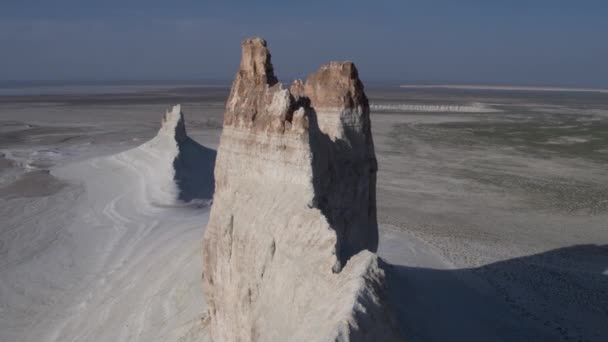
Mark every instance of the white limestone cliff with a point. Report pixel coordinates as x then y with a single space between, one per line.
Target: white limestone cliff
289 250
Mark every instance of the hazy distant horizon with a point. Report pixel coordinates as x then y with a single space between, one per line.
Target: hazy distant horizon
542 43
97 87
226 82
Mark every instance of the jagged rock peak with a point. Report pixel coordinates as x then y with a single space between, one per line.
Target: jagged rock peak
256 61
173 124
336 85
257 101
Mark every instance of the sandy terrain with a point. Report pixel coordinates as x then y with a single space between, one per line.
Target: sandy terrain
493 212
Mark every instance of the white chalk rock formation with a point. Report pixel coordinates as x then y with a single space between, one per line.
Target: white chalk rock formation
288 253
177 168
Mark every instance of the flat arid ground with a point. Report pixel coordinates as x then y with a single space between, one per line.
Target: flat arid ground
493 208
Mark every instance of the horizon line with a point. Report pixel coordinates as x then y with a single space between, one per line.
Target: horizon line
219 82
504 87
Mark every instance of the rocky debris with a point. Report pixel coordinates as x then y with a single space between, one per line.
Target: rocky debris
288 252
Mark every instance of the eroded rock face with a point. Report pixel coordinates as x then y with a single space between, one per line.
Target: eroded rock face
288 250
344 161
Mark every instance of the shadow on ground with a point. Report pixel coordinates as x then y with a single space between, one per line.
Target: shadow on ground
559 295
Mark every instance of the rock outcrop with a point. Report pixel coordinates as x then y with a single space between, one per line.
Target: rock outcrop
288 253
176 169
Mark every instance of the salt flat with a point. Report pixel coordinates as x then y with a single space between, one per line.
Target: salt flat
496 220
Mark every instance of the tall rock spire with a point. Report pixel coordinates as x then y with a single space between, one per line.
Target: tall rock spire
288 252
344 161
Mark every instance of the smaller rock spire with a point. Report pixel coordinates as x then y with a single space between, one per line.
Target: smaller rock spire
173 124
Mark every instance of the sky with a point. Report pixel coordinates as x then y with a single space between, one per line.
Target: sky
514 42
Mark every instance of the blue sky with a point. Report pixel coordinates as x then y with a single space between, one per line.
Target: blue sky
533 42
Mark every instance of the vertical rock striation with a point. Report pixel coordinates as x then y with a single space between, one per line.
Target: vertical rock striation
288 253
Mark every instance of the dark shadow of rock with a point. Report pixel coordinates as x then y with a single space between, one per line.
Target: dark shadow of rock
194 171
338 176
559 295
38 183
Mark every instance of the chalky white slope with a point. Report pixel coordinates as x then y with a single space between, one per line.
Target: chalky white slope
115 256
